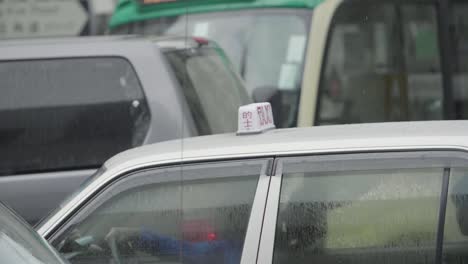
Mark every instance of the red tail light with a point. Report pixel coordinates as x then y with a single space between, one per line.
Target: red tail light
211 236
198 230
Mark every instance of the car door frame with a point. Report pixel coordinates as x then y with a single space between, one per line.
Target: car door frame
254 225
271 185
446 159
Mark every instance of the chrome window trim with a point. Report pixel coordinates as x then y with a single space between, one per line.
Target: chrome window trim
252 236
113 174
267 240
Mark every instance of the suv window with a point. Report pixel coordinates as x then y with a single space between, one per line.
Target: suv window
211 87
368 210
194 214
68 113
382 64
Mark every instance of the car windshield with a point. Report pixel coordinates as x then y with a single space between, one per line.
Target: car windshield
266 46
71 196
213 102
19 244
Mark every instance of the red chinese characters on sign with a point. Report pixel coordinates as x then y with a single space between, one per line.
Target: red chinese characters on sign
264 117
247 119
255 118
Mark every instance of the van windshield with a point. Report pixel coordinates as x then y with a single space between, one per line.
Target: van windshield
266 46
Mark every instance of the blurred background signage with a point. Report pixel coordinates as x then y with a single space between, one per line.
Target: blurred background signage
53 18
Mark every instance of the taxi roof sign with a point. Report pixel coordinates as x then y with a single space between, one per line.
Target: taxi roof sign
255 118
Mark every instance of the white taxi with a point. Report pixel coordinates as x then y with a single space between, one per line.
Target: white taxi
390 193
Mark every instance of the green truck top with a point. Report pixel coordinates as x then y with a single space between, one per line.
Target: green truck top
137 10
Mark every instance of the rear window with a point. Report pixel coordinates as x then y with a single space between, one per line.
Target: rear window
211 87
68 113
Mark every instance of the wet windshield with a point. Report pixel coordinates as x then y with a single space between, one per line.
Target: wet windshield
19 244
249 38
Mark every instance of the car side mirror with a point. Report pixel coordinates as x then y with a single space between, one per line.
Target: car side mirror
80 243
75 246
84 241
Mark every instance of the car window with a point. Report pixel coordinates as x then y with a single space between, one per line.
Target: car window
68 113
424 90
358 211
460 60
213 90
382 64
193 214
456 218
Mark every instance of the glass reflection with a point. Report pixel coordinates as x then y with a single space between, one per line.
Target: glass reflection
358 216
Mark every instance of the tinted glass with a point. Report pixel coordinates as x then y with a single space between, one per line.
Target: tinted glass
456 219
382 64
212 88
336 214
68 113
460 60
424 91
20 244
195 215
266 46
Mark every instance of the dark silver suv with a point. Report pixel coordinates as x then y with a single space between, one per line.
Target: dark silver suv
67 105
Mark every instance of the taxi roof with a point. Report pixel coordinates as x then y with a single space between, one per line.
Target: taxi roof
409 136
279 142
